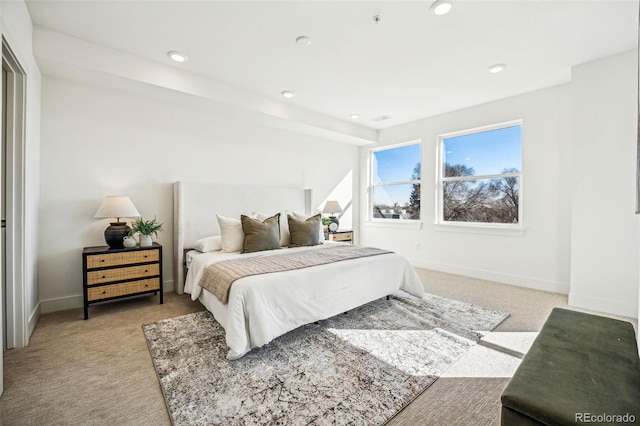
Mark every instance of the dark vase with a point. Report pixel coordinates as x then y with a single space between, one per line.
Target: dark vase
115 233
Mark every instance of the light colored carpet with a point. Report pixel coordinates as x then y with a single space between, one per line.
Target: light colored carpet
360 367
99 372
94 372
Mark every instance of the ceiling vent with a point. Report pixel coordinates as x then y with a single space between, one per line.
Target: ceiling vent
381 118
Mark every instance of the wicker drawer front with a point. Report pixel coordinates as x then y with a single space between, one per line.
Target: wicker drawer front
347 236
107 291
120 274
117 259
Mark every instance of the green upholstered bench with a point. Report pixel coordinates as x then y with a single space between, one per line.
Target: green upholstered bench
581 368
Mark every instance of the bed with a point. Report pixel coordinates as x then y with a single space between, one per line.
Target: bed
263 307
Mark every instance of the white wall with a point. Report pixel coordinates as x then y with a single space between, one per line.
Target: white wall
97 142
604 257
537 259
578 195
16 28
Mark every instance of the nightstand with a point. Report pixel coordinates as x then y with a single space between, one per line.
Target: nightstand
109 274
341 236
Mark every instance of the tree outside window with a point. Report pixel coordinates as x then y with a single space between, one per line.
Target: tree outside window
395 182
480 176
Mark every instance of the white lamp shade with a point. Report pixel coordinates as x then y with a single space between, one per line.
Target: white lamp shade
332 207
117 206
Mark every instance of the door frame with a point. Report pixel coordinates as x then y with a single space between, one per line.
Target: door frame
16 315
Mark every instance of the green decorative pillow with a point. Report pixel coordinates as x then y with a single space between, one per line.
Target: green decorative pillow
260 235
304 232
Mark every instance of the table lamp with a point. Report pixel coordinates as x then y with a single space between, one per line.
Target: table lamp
116 206
332 207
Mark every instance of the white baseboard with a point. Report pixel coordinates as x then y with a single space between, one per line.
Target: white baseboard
533 283
61 303
77 301
33 321
607 306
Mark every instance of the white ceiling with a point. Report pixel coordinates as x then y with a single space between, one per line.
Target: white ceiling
411 65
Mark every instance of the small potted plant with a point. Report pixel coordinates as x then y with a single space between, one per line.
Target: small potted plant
325 224
145 228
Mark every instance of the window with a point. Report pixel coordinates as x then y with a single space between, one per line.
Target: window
395 182
479 176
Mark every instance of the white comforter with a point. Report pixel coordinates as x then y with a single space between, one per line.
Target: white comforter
263 307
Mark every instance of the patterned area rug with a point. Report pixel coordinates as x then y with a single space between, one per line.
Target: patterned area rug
358 368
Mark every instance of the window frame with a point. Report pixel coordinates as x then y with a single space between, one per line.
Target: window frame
371 185
440 179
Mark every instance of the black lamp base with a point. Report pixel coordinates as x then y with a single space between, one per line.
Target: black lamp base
335 220
114 234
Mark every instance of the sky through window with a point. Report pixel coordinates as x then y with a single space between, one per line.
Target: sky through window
395 165
488 153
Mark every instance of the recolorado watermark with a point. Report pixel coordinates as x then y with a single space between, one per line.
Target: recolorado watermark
604 418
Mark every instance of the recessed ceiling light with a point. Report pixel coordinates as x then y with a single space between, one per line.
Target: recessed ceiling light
177 56
288 94
493 69
303 40
381 117
354 116
441 7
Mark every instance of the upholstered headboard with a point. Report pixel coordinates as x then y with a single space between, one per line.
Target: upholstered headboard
195 205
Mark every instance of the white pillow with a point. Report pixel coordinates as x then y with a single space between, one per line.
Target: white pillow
301 216
231 233
208 244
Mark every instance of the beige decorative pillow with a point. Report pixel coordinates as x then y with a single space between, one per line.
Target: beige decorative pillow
284 228
260 235
304 232
301 216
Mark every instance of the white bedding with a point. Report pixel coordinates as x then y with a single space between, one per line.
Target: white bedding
263 307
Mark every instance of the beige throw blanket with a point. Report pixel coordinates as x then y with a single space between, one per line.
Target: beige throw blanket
218 277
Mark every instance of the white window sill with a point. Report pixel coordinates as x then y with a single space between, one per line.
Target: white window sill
394 223
509 231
